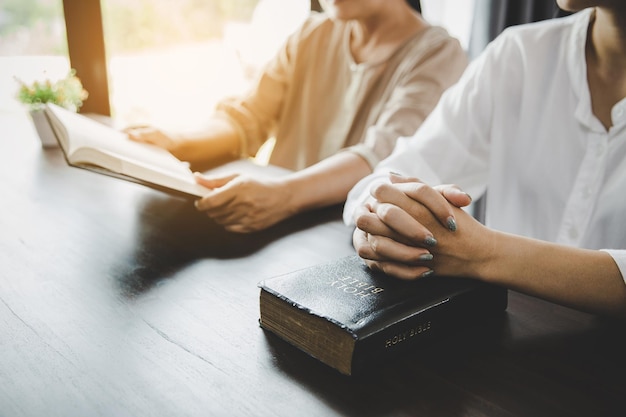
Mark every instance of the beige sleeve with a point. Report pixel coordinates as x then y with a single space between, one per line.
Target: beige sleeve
413 97
255 114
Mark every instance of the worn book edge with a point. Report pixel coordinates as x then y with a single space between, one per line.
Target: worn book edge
438 317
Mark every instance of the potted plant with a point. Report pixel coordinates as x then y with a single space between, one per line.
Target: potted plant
67 92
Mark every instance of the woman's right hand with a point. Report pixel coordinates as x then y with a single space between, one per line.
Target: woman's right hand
152 135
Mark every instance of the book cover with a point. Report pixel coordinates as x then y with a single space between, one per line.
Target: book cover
348 316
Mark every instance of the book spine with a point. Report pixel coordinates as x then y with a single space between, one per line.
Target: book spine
421 329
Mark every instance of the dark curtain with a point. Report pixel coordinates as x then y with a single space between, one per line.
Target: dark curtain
492 16
315 5
415 4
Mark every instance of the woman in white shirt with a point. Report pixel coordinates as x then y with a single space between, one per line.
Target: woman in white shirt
539 120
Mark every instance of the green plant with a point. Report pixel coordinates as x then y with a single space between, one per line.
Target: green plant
67 92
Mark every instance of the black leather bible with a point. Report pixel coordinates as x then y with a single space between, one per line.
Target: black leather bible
350 317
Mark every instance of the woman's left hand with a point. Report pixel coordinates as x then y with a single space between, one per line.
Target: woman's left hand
398 230
243 204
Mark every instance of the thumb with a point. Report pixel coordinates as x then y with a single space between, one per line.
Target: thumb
454 195
214 182
399 178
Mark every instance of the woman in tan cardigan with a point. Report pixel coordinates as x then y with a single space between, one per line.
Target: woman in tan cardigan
336 97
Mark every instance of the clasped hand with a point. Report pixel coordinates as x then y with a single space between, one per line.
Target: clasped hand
410 230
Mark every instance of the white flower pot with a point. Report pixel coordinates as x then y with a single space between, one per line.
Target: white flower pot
44 130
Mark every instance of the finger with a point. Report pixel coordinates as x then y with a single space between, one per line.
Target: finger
214 182
135 127
363 247
417 192
134 135
360 243
216 201
454 195
396 178
226 216
381 249
139 132
370 223
150 135
404 227
386 249
398 270
364 209
240 228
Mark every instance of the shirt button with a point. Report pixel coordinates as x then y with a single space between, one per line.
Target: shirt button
573 233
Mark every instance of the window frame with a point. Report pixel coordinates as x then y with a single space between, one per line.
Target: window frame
85 43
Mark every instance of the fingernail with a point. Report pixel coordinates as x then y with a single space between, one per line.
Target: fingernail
428 273
430 241
451 223
468 196
396 174
426 257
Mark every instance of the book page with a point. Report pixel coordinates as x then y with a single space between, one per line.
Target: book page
86 141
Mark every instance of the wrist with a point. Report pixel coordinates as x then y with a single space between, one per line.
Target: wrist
290 195
178 146
505 257
487 262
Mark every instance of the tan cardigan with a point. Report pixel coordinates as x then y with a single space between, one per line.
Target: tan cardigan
316 101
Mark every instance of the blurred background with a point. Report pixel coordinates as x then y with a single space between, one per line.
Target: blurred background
168 61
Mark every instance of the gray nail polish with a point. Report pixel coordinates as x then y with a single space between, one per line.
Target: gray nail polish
430 241
428 273
451 223
426 257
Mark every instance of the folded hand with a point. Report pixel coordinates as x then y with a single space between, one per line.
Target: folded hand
407 222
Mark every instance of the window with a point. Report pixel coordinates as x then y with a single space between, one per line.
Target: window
454 15
167 61
171 61
33 45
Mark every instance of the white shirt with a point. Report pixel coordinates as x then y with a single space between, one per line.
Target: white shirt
520 123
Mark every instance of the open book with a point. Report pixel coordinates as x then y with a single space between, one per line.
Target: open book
95 146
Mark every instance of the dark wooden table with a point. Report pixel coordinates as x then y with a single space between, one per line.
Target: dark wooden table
119 300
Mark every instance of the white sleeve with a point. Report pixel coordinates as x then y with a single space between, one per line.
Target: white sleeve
619 256
400 162
453 145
